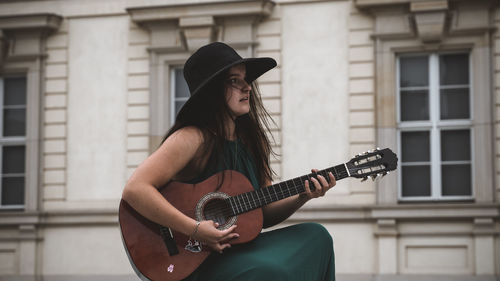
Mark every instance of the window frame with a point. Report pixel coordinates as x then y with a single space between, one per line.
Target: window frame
29 68
161 98
435 126
386 124
173 93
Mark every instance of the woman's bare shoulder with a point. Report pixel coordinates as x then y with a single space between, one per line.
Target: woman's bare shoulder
191 137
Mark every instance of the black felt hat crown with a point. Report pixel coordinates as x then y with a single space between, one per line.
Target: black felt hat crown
213 59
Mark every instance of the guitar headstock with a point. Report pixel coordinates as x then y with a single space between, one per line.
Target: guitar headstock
373 163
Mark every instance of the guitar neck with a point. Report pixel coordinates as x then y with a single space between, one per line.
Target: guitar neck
248 201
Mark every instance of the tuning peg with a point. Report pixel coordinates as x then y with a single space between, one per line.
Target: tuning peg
364 179
373 177
378 148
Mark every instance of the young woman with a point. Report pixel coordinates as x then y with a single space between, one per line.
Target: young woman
223 127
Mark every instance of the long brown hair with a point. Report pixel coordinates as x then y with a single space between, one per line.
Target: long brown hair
208 110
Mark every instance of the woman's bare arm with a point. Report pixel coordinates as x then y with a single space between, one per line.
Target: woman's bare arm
141 190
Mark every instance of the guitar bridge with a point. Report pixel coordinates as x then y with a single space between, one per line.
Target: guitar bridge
168 239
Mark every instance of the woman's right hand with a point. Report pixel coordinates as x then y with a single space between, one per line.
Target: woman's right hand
216 239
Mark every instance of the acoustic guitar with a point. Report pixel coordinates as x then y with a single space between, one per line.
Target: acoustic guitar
162 254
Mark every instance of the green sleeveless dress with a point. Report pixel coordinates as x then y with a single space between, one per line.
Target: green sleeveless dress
302 252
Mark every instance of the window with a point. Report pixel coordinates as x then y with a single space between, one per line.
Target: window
13 141
179 91
435 127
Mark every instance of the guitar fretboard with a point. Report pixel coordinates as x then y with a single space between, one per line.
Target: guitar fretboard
255 199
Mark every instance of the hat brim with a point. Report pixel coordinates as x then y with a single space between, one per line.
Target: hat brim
255 67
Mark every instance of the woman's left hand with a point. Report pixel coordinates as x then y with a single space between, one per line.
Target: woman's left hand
279 211
321 185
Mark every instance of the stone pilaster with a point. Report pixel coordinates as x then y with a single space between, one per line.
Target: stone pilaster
484 245
386 233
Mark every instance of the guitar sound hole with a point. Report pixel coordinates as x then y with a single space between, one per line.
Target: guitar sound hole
218 211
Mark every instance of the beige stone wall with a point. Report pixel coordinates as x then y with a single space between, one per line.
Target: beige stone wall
314 91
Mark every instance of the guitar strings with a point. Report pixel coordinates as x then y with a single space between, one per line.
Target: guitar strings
248 204
282 193
226 207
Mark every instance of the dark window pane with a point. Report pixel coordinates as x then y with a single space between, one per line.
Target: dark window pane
455 145
454 69
178 106
181 87
414 105
416 180
414 71
415 146
456 180
15 91
13 191
14 122
454 104
13 159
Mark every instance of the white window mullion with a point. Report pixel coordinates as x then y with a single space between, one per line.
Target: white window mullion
472 134
415 125
400 149
398 96
172 95
472 162
398 135
435 132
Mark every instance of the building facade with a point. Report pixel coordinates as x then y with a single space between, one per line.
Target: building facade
88 89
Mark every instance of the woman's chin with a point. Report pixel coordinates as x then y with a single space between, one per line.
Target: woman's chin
241 112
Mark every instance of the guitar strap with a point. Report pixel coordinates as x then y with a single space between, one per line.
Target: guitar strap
168 239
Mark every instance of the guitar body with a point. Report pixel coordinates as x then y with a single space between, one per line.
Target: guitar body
227 198
145 246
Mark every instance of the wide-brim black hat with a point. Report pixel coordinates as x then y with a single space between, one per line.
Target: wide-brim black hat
214 59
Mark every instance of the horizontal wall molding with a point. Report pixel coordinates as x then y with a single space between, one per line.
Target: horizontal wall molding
80 217
401 212
428 212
